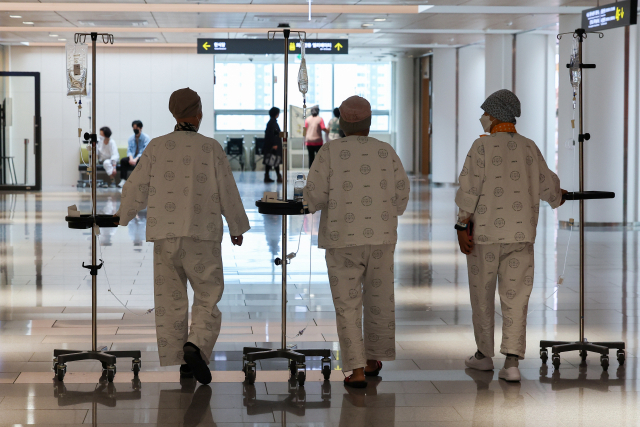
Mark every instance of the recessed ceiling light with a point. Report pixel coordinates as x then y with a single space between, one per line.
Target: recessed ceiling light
113 23
380 19
367 25
15 16
62 40
344 37
53 35
27 22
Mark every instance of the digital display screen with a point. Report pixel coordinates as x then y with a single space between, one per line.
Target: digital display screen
610 16
257 47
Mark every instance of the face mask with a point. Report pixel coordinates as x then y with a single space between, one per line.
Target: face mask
100 138
136 131
486 123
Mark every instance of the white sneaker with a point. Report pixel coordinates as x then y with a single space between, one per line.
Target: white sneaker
121 183
485 364
510 374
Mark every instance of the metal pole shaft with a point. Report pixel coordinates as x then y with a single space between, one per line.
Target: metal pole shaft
94 278
581 184
285 167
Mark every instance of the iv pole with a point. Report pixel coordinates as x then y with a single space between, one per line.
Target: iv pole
296 357
583 345
93 221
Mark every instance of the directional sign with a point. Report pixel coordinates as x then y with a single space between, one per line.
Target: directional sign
262 46
610 16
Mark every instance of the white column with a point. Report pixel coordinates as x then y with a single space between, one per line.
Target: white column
471 95
499 62
604 119
443 136
535 87
404 112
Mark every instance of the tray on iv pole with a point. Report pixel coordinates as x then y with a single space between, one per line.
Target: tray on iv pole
107 358
296 358
583 346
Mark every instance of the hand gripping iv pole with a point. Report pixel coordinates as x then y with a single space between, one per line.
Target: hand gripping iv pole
94 221
297 367
583 345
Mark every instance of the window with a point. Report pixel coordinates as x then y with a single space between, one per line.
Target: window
245 92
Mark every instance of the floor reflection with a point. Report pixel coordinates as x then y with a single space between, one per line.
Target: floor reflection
365 407
512 409
597 383
198 399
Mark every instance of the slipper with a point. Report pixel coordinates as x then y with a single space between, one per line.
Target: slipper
354 384
198 366
376 372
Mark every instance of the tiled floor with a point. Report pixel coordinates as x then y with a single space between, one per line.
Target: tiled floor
45 300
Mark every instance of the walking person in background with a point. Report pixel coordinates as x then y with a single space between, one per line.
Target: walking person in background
272 146
313 139
334 126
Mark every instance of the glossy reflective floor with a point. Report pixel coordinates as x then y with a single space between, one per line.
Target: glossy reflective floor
45 298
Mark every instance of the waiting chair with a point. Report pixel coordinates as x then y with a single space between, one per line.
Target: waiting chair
257 152
235 150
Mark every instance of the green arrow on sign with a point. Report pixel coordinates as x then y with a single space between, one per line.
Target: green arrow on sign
206 45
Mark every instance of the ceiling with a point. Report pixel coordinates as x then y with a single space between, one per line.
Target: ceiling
407 27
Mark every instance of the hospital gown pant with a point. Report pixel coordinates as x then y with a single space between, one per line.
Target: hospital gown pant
362 276
175 260
512 266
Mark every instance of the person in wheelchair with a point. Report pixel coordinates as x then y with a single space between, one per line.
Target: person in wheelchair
272 146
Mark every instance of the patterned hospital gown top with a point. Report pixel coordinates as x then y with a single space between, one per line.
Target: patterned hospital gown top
361 188
502 182
185 181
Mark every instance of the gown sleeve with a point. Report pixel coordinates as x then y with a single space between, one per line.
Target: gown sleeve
471 178
135 193
550 191
230 200
316 192
402 184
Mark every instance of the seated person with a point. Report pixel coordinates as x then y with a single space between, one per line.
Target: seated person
135 146
184 180
108 154
361 188
501 184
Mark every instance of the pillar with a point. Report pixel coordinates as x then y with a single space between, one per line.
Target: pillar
443 135
404 117
471 95
498 62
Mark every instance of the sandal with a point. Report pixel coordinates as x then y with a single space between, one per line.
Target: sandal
376 372
354 384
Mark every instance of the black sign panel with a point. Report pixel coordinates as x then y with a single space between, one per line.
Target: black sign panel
261 46
610 16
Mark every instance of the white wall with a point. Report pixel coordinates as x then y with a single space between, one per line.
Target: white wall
535 87
404 93
499 62
443 136
471 95
132 84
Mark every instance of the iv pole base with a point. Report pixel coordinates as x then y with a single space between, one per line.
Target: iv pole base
297 366
107 358
583 348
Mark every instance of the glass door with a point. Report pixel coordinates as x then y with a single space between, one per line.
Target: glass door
20 134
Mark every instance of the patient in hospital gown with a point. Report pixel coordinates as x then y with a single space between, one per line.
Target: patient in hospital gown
361 188
185 182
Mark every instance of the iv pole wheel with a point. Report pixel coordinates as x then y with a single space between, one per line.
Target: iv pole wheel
544 356
61 370
292 368
136 364
249 373
583 355
556 361
111 373
604 361
301 377
621 357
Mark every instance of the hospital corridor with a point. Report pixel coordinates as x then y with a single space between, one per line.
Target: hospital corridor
329 213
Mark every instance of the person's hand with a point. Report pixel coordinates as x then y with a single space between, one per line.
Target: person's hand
117 222
236 240
465 240
563 199
275 147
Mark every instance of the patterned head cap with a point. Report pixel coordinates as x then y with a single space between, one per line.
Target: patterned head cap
504 105
355 109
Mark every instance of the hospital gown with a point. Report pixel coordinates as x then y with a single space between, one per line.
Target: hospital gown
503 180
361 188
184 180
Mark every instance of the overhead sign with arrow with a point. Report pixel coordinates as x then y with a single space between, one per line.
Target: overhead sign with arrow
614 15
262 46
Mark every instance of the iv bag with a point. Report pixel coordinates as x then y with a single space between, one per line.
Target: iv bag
303 79
575 72
76 69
